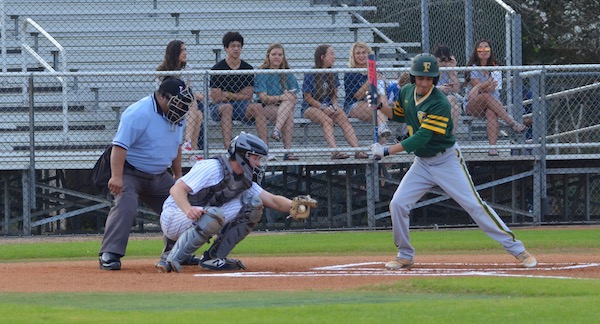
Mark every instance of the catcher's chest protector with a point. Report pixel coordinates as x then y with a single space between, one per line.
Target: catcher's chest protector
229 188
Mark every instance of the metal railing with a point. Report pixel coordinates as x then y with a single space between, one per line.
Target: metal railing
26 48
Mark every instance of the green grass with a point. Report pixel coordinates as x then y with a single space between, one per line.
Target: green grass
448 300
444 299
332 243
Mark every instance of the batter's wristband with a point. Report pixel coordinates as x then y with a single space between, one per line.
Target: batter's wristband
386 150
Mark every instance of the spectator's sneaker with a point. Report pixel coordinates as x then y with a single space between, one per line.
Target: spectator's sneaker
222 264
271 157
186 146
163 266
290 157
384 130
196 157
526 260
399 263
109 261
518 127
276 135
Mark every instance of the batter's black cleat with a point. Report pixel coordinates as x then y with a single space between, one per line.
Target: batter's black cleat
163 266
109 261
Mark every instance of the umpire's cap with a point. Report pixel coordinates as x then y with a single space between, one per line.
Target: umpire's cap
172 86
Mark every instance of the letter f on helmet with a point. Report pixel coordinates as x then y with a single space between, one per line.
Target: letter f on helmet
424 64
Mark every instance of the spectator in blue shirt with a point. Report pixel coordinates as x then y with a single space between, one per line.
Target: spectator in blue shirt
320 103
277 93
356 84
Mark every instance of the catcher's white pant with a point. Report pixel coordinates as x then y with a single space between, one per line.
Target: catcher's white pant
173 220
449 171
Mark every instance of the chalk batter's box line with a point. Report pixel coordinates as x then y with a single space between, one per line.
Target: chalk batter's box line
356 270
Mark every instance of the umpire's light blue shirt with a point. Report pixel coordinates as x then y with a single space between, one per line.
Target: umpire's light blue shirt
151 141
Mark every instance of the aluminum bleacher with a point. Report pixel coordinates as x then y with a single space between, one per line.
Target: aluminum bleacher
45 131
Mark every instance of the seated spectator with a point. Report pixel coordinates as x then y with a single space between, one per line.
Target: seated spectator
394 87
232 94
320 103
356 84
277 92
448 81
392 94
482 96
176 60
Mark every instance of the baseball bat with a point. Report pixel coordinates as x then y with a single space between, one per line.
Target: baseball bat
372 74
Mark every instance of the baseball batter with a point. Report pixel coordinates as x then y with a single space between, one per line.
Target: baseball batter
426 112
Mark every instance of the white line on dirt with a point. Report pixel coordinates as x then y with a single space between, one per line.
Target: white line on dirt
422 269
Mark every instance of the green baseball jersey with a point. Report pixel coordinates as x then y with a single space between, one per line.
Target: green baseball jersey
427 119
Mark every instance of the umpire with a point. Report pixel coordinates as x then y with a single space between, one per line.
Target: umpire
147 142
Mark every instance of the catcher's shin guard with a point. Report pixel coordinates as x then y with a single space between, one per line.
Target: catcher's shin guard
208 225
235 231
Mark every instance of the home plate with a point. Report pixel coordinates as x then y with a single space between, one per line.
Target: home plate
543 270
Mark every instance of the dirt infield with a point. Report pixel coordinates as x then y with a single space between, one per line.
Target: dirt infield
278 273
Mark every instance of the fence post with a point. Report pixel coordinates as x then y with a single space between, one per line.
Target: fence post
542 119
468 28
425 26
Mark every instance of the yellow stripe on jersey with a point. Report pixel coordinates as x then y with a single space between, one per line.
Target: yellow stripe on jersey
434 129
436 124
433 122
440 118
398 110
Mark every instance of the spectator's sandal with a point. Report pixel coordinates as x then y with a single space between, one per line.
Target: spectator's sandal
339 156
361 155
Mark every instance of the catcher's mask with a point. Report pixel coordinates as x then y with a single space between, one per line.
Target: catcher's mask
180 97
250 152
425 64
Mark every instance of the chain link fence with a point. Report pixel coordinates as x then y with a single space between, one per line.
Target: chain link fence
56 124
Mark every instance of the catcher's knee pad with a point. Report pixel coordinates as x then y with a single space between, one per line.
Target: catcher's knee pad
235 231
252 208
194 237
211 222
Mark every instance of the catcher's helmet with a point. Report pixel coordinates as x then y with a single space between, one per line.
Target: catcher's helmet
244 145
425 64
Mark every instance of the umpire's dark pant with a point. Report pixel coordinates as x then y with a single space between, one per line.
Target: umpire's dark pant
150 189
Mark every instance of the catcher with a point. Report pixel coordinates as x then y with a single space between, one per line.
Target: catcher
220 196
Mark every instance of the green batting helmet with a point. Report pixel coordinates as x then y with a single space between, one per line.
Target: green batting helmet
425 64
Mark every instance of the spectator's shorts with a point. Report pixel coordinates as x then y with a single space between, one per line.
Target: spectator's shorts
239 110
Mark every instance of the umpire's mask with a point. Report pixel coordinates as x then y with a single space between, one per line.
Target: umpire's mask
180 97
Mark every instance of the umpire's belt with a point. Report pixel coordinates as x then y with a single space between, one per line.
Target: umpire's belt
132 170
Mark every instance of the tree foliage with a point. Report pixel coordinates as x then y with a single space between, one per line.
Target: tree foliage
553 31
559 31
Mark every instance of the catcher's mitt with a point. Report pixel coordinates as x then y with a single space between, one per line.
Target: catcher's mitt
301 207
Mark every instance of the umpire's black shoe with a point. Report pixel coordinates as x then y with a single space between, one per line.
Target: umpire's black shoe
110 261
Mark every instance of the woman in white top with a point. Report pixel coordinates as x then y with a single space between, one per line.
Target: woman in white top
482 97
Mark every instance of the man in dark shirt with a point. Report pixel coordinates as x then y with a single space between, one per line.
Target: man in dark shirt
232 93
